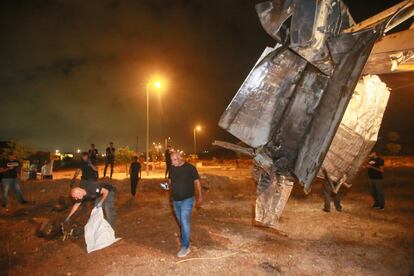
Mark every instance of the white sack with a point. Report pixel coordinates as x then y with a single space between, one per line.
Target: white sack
98 232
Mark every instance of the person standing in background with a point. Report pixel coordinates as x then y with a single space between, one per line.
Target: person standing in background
47 170
93 156
167 156
10 170
135 175
110 158
376 176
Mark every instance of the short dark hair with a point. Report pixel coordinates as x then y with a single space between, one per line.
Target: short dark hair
85 153
135 158
92 145
110 142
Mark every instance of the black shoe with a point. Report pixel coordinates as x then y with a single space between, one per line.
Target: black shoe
4 205
380 208
374 206
339 209
326 210
24 202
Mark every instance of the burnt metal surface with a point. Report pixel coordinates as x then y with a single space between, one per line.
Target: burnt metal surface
290 106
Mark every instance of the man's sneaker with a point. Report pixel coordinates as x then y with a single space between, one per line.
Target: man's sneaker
380 208
164 186
326 210
375 206
339 209
24 202
183 252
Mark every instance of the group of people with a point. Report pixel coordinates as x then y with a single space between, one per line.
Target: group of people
183 180
375 169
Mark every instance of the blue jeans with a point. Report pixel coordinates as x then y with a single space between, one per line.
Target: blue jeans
183 213
15 183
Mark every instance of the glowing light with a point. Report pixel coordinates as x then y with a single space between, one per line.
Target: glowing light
78 150
198 128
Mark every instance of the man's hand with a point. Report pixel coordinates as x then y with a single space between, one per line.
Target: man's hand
199 202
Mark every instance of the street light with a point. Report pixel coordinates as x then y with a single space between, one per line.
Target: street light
197 128
157 85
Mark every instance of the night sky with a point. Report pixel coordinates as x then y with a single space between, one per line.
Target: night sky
74 72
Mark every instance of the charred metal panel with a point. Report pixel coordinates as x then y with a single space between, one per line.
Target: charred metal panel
263 97
291 104
289 136
332 107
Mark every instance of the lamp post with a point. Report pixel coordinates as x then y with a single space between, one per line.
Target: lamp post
156 84
197 128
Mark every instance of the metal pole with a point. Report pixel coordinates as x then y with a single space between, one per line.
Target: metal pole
195 141
147 143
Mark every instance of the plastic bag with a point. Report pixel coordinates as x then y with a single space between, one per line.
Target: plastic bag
98 232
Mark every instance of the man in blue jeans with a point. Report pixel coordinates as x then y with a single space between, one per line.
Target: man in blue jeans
184 180
10 170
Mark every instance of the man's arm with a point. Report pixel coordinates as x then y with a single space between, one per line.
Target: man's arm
139 172
75 175
380 169
75 207
104 193
197 184
92 166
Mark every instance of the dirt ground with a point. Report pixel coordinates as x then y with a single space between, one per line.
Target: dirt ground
357 241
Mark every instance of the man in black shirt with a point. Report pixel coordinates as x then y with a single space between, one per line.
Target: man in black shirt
10 170
103 194
88 171
167 160
134 174
93 156
183 179
110 158
375 174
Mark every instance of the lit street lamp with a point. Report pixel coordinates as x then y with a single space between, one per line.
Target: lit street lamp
156 85
197 128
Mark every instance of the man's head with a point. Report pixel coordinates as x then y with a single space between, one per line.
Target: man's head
111 144
77 193
373 154
46 162
176 159
135 158
85 156
92 146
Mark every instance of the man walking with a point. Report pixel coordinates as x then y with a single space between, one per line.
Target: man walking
110 158
375 174
167 156
10 170
135 175
184 180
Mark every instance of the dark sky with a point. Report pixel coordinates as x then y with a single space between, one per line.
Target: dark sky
74 72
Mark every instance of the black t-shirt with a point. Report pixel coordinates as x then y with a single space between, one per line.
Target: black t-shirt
93 190
110 153
93 154
375 162
87 172
15 165
182 181
168 157
135 169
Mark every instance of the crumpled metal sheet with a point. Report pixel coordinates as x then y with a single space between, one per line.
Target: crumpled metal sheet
358 130
291 104
272 196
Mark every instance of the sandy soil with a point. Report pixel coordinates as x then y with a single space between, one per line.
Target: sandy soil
357 241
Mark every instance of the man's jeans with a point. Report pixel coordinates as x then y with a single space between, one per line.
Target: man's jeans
183 213
109 161
108 207
15 183
377 192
